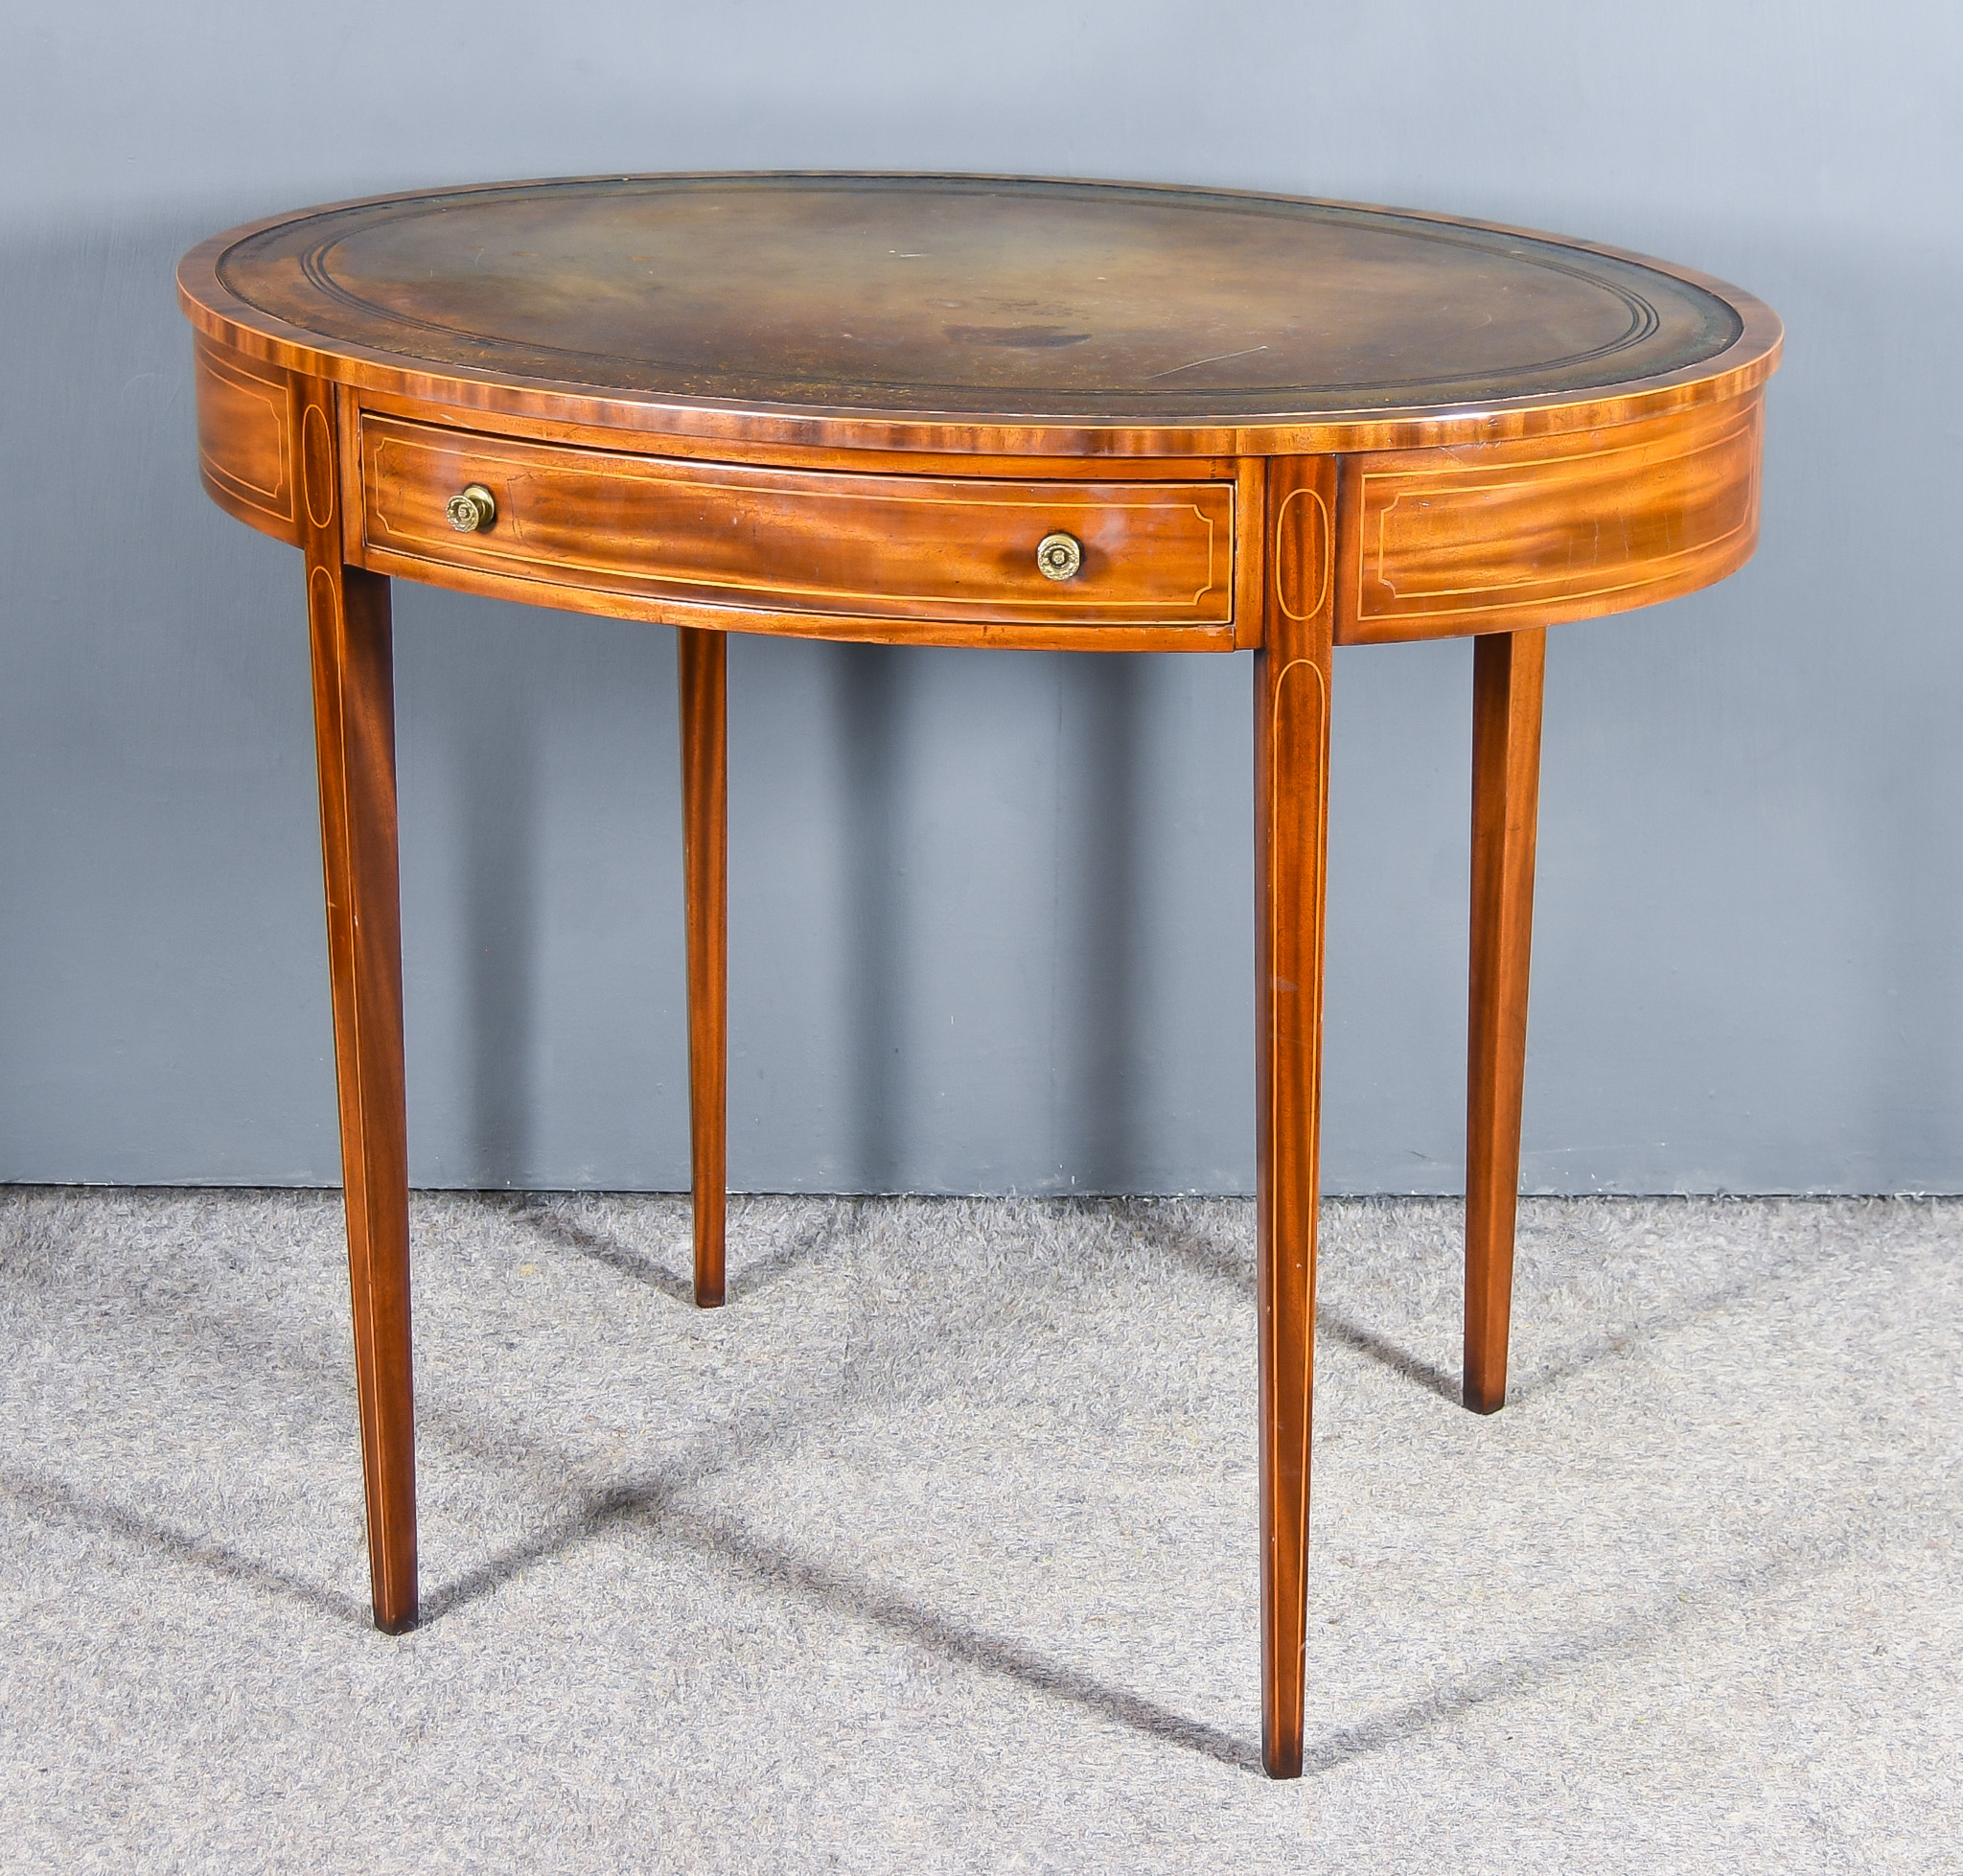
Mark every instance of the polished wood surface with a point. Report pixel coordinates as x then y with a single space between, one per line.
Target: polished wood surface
702 536
354 717
1291 740
247 420
1536 429
1508 671
702 688
1499 536
850 407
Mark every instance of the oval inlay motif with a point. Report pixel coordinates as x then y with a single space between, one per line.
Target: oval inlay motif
320 595
1303 541
316 456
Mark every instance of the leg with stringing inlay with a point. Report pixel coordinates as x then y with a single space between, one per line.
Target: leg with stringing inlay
1291 691
354 722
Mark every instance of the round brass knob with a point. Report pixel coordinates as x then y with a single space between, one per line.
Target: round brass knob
472 510
1059 556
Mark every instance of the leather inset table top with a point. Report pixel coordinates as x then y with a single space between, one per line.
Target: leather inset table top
995 301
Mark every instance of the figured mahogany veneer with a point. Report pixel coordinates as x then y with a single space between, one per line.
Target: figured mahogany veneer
1502 537
851 407
246 420
697 543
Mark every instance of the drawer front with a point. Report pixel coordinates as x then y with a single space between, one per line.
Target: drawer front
799 542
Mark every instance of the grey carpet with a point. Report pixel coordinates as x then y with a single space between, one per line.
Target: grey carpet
935 1549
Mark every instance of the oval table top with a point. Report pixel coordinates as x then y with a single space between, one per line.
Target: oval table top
1007 315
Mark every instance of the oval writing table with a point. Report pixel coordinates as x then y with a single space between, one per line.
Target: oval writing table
957 411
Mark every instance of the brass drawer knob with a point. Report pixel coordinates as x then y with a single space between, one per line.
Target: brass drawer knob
1059 556
472 510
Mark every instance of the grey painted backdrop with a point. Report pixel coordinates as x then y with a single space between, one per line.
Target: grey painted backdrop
989 911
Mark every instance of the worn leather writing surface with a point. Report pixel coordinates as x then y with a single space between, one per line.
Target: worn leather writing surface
992 299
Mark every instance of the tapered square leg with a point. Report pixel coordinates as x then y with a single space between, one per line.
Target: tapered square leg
1507 674
705 865
353 719
1291 694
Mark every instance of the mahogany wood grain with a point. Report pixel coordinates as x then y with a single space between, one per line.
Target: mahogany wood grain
698 536
1507 679
1291 720
1496 537
848 408
354 717
1250 553
838 627
702 671
247 415
680 446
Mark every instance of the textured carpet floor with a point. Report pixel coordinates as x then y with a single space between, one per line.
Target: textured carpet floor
935 1549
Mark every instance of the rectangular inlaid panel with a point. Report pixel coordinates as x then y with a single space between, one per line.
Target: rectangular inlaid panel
1495 537
246 438
797 541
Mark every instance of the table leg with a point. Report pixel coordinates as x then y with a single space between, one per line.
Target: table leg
705 862
354 722
1507 670
1291 691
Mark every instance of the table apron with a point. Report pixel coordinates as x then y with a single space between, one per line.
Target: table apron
1427 543
1506 537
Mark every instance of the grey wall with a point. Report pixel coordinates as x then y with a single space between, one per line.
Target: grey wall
989 911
